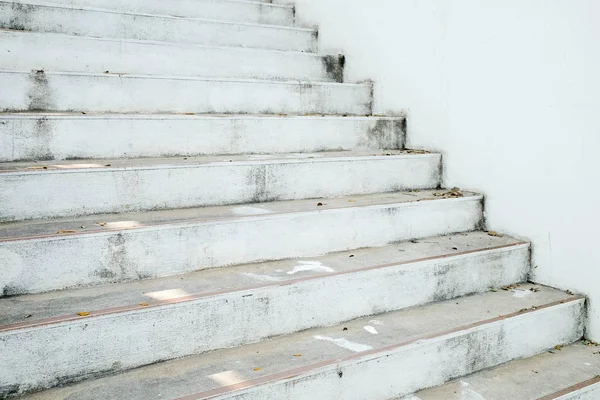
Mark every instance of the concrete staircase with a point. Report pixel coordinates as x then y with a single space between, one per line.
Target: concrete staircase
195 205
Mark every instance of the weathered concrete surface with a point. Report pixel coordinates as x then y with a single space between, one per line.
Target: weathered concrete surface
57 137
161 243
76 188
483 255
535 378
84 92
82 21
26 51
376 358
244 314
227 10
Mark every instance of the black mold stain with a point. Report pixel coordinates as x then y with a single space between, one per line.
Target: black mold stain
257 178
9 391
21 18
400 130
40 94
117 259
10 290
334 67
42 135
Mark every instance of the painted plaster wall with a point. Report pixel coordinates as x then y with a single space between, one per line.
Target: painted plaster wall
509 92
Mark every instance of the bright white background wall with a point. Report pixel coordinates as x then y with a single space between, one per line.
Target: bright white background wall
509 91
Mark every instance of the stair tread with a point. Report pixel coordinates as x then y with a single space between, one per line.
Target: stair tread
118 75
217 116
552 374
50 4
149 42
216 214
276 359
101 165
30 310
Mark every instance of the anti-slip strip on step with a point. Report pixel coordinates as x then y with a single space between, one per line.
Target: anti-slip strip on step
580 388
307 267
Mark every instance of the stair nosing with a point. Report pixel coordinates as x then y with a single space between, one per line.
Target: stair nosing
193 297
571 389
229 219
147 42
206 20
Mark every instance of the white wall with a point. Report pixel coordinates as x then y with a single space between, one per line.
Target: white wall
509 91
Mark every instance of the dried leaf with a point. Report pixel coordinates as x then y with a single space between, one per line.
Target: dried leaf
257 369
494 289
351 255
61 232
297 355
535 289
570 293
83 313
522 310
493 233
144 304
351 201
101 223
319 204
83 227
558 347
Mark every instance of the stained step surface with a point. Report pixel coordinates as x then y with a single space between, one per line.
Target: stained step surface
227 10
377 357
75 188
22 50
124 93
43 136
573 372
48 255
95 22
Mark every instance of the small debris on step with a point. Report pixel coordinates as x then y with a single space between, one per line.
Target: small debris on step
63 232
297 355
345 329
101 224
494 289
510 287
494 233
144 304
83 226
83 313
416 151
535 289
455 248
257 369
452 193
414 241
107 165
589 343
558 347
351 255
570 293
319 204
28 316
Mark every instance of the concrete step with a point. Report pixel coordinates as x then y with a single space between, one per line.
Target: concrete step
371 358
74 188
83 21
226 10
246 303
573 372
36 137
124 93
42 256
26 51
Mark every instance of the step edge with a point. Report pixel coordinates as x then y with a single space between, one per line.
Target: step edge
14 32
232 219
366 85
573 389
198 116
19 326
292 373
210 164
169 17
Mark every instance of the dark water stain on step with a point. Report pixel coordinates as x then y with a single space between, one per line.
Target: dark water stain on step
40 93
21 17
334 67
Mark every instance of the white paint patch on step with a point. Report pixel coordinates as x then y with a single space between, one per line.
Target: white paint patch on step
227 378
167 294
469 394
376 322
346 344
521 293
371 330
315 266
249 211
303 155
259 277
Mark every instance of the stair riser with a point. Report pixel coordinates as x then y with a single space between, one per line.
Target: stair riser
52 194
247 316
44 264
98 23
52 52
38 91
426 363
239 11
59 138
